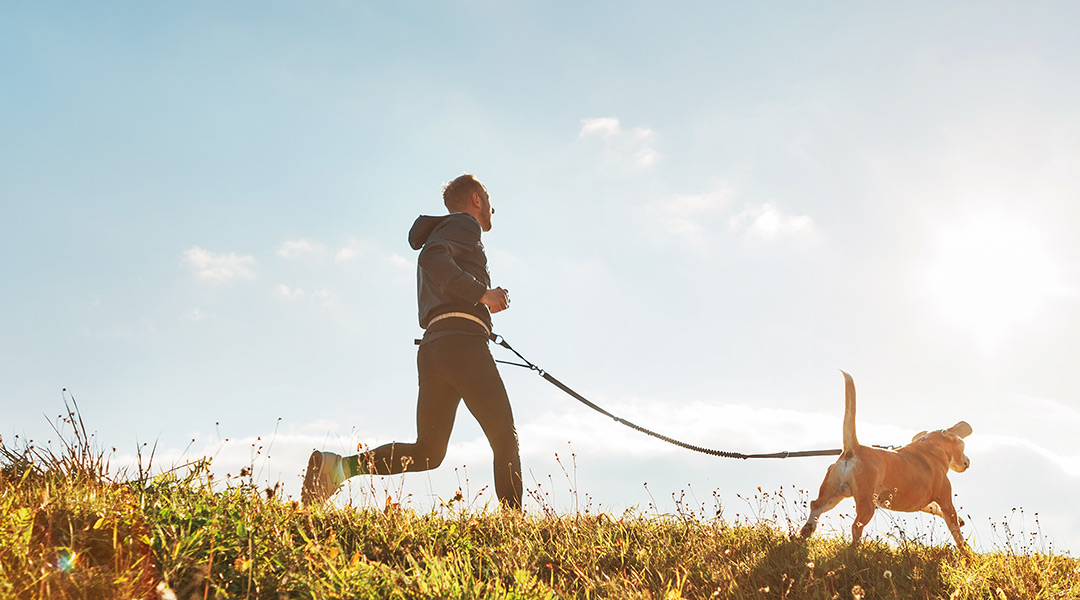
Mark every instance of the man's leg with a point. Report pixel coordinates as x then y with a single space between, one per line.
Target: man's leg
435 410
476 376
436 407
451 368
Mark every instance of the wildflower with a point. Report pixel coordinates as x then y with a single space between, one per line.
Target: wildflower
164 592
887 574
857 593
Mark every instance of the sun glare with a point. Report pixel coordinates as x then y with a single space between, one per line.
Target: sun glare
991 275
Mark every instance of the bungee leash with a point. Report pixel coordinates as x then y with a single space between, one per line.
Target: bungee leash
500 340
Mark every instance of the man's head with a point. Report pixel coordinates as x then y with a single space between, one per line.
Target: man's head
466 194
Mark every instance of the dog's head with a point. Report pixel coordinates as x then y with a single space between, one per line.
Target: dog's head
950 440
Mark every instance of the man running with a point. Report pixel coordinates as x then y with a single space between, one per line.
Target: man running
455 301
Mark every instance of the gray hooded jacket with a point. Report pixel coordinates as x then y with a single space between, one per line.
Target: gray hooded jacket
451 273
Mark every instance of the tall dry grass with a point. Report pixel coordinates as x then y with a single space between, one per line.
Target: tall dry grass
70 528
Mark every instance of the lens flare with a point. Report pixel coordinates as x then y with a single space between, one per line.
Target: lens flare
67 560
991 275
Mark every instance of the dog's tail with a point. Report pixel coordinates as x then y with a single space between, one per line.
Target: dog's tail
850 440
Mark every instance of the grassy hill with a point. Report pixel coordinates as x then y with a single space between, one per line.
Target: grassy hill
70 530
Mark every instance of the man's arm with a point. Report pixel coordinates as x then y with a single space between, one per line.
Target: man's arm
437 261
496 300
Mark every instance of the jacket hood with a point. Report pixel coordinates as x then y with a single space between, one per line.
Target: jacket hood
421 230
424 225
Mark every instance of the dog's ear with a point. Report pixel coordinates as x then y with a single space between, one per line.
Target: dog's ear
961 429
916 437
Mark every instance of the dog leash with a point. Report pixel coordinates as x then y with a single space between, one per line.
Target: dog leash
500 340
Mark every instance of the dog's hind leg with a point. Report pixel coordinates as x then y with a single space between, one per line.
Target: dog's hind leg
828 497
864 511
817 508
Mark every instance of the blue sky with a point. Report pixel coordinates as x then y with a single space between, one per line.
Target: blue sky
704 212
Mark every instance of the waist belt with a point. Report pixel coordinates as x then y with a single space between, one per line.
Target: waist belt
463 315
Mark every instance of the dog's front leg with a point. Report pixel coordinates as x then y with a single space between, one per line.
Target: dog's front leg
934 509
952 520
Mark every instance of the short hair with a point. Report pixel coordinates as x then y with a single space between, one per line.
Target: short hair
458 193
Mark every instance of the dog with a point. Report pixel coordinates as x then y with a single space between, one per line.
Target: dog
909 479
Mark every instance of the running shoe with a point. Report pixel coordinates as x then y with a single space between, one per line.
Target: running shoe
324 477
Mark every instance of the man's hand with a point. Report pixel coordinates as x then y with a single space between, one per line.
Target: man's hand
496 300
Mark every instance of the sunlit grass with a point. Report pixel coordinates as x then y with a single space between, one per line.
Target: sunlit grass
71 529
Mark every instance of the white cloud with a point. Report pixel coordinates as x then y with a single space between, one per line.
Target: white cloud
646 157
767 222
195 315
987 443
323 297
687 217
344 254
219 267
355 248
288 293
602 126
622 147
398 261
739 427
295 248
320 297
